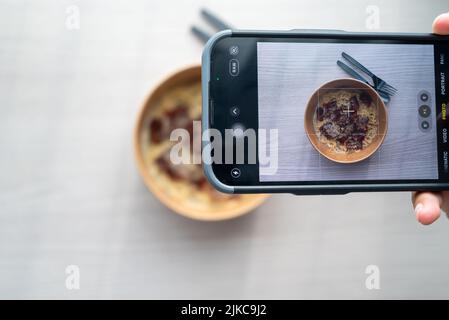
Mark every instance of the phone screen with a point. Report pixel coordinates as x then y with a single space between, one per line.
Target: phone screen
333 110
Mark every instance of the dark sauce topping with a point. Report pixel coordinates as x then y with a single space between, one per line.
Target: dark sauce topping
343 123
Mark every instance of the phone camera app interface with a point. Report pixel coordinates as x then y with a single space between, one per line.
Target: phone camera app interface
352 111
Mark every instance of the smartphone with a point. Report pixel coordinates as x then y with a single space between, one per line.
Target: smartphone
325 112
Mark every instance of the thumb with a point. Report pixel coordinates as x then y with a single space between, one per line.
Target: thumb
427 206
441 24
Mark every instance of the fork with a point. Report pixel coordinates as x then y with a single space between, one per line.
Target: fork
383 94
378 82
217 23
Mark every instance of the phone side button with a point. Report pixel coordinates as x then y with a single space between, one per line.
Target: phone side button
211 113
318 30
318 193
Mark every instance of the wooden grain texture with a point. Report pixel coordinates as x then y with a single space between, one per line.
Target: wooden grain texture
289 73
70 192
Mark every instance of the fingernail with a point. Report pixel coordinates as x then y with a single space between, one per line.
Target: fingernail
442 16
418 208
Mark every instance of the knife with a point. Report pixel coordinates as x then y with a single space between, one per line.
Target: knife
385 96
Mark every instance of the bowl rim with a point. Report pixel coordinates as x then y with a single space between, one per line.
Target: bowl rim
154 187
381 140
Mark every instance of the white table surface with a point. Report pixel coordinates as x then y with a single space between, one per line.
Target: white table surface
70 193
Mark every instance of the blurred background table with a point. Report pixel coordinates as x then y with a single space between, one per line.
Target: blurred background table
70 192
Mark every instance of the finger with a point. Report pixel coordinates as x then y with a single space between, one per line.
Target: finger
427 206
441 24
445 205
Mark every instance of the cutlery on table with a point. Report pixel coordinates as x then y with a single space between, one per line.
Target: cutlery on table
384 95
214 21
378 82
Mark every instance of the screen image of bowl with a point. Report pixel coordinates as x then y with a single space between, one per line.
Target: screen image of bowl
175 104
346 120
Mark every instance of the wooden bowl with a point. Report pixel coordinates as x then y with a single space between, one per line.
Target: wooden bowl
156 182
326 151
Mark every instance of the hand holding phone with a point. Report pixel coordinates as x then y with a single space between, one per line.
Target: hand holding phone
427 204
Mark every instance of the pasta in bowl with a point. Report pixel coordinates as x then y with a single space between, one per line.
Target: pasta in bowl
345 120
